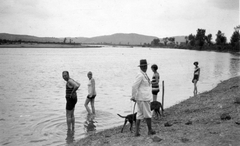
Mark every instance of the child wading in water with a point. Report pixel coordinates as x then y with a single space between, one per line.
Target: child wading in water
91 94
195 79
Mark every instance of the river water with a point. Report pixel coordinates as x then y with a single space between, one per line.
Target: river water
32 91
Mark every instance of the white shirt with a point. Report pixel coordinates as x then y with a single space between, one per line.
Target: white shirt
141 89
91 89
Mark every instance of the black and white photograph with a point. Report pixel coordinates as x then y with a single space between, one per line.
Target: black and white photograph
119 73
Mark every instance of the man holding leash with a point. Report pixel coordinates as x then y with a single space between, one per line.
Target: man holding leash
142 95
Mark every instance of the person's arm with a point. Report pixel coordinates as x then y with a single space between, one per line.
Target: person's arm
135 87
199 74
197 70
75 85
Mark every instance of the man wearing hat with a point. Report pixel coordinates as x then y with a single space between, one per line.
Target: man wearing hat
141 94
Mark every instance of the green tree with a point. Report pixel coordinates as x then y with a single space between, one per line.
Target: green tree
221 39
200 37
191 38
208 39
165 40
235 39
156 42
171 39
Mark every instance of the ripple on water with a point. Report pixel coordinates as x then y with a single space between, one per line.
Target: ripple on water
43 96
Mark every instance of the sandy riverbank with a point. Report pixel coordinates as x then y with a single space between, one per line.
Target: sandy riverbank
195 121
34 45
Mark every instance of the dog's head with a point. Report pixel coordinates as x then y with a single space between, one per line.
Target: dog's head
155 105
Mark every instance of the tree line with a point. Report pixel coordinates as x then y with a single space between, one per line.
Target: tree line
202 41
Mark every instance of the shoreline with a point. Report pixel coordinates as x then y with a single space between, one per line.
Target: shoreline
34 45
210 118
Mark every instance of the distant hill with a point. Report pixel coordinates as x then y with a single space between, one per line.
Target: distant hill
118 38
28 38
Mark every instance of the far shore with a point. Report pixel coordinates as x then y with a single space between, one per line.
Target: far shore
209 118
35 45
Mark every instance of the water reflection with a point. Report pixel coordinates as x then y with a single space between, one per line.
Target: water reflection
89 123
70 136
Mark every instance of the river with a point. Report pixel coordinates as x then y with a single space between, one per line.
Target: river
32 90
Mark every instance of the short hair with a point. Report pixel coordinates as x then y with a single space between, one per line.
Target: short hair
154 66
65 72
195 63
89 73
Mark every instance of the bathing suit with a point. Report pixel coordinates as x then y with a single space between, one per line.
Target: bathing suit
196 74
90 86
155 87
93 96
70 101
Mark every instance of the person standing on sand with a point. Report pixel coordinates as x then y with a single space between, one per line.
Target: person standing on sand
196 76
91 94
155 81
141 94
71 98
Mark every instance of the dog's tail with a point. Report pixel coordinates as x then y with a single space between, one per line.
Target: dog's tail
121 116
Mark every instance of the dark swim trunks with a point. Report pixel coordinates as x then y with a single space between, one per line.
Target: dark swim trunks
71 102
195 77
93 96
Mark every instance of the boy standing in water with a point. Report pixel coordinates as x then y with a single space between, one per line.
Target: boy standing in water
195 79
91 93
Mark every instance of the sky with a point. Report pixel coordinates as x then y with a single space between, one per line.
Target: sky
90 18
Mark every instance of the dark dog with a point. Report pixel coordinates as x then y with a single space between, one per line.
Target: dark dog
129 118
155 105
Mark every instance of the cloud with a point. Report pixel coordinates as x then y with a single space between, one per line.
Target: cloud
226 4
22 9
99 17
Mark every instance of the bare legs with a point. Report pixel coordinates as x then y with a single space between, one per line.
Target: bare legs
92 106
195 88
154 97
70 119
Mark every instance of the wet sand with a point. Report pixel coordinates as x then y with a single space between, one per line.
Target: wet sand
210 118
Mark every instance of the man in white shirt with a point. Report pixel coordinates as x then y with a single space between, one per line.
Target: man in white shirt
141 93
